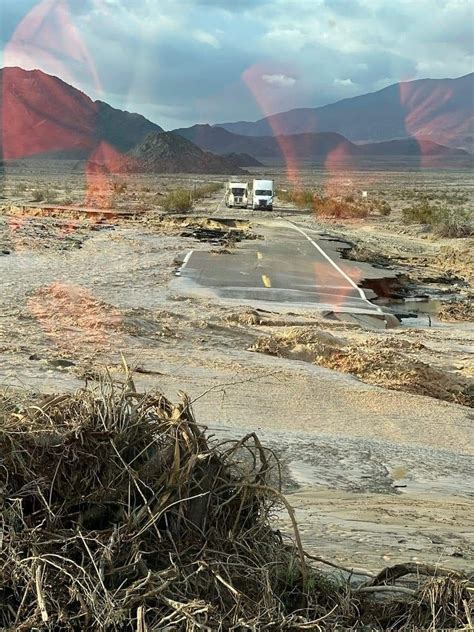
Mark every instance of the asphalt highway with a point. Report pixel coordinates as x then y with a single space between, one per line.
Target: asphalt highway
286 267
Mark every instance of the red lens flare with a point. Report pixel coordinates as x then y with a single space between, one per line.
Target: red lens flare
339 162
340 292
103 163
40 114
48 38
427 117
73 319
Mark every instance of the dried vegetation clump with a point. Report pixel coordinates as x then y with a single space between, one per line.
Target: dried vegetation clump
119 514
395 371
455 311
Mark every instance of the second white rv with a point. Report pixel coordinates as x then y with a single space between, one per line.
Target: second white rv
237 194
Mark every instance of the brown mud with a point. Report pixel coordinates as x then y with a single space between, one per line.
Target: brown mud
385 362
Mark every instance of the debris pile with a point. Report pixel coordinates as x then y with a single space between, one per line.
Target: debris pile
245 317
119 514
215 235
454 311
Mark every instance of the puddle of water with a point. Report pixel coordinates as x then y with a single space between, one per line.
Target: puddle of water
417 312
303 473
423 306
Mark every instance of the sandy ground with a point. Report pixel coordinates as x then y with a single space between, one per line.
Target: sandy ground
379 462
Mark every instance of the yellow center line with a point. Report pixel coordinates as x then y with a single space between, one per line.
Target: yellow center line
259 255
266 280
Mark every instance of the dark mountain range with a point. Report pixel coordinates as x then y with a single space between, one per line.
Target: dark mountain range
410 147
441 110
165 152
41 114
221 141
243 160
309 146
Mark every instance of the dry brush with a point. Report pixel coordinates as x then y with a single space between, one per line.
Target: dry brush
120 513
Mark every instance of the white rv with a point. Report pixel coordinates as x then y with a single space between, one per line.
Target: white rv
262 194
237 194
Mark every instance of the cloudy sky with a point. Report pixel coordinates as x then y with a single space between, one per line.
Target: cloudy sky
181 62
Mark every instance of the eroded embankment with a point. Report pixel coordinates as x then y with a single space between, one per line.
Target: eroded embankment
447 277
382 362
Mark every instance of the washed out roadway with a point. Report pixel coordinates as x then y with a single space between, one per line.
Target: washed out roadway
287 267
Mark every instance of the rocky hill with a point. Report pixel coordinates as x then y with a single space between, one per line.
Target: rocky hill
42 115
166 152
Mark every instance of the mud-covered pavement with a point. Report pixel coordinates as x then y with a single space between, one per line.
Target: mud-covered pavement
377 474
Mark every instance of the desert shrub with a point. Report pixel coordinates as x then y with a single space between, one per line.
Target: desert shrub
38 195
453 224
304 198
207 189
420 213
347 207
435 195
181 200
339 208
120 187
384 208
178 200
444 222
44 195
19 188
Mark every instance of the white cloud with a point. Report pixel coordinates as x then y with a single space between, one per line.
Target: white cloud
206 38
279 81
344 83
